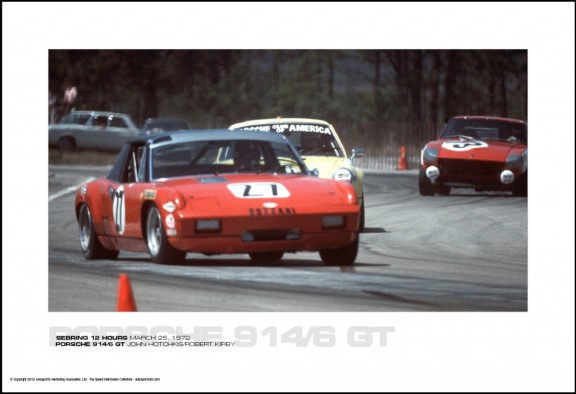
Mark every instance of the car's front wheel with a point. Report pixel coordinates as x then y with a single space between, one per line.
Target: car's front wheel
158 246
427 188
443 190
66 144
341 256
521 187
89 243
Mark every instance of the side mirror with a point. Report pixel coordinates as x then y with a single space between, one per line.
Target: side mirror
315 172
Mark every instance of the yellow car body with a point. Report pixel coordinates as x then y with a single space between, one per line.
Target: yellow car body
320 147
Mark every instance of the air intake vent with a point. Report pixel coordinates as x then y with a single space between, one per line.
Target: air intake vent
271 235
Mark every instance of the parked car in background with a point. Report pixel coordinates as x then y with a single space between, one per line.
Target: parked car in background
479 152
158 125
96 130
320 147
216 192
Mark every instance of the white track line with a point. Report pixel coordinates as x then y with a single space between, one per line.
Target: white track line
68 190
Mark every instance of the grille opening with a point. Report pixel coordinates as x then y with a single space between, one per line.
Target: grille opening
271 235
469 167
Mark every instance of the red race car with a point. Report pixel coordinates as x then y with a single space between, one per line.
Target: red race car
480 152
216 192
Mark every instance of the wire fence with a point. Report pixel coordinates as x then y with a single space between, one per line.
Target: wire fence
389 159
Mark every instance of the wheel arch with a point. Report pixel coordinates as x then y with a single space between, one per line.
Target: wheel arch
90 198
87 200
65 137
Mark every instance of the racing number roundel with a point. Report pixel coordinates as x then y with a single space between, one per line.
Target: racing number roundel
258 190
119 209
460 146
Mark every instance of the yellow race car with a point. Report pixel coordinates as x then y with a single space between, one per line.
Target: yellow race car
319 146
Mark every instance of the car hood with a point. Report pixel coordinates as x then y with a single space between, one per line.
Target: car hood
231 193
476 149
325 165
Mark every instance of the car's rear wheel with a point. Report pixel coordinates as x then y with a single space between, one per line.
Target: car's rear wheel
158 246
266 257
341 256
89 243
66 144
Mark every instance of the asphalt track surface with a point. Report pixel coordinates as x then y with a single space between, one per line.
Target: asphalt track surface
464 252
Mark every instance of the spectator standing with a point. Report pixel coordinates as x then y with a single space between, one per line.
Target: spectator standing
70 98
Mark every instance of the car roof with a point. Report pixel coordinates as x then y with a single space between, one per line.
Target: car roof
102 113
488 117
278 120
166 120
210 135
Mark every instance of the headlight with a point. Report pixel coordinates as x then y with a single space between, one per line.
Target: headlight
428 155
525 158
207 225
178 203
515 161
333 222
344 174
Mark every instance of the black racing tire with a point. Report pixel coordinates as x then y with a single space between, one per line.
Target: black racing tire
159 248
89 243
341 256
443 190
425 187
66 144
362 217
521 187
266 257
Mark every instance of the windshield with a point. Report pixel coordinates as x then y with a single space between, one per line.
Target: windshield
308 138
222 157
79 119
486 129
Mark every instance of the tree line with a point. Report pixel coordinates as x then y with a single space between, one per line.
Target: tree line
374 97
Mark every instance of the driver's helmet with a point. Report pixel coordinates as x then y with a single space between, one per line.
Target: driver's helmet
246 154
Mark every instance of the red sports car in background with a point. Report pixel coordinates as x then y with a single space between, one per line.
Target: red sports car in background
216 192
480 152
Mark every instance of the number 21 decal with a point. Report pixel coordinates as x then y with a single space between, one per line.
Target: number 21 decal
118 208
258 190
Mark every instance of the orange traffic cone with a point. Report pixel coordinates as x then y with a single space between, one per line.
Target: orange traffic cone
126 301
402 163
